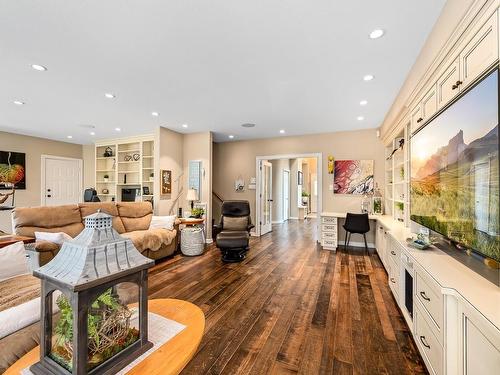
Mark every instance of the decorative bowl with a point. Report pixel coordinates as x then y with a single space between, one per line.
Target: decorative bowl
418 244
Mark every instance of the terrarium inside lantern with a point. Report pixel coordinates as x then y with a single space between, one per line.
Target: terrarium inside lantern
99 284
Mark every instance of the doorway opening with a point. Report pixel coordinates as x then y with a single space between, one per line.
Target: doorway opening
288 187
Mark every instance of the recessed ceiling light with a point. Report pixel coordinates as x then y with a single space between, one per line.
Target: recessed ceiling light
368 77
360 118
155 114
69 137
377 33
109 95
118 129
18 102
282 131
184 125
92 133
40 68
363 102
231 136
248 125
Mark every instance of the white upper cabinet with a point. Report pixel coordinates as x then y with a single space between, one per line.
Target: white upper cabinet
448 84
416 118
429 103
480 53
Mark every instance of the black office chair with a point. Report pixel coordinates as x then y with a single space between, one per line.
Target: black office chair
90 195
233 231
356 223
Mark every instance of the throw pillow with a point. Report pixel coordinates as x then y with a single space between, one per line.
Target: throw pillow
235 223
13 261
57 238
162 222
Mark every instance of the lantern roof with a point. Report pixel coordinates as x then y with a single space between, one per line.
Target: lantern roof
95 256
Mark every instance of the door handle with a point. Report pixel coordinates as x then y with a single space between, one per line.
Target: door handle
270 200
424 296
48 190
392 280
420 120
424 342
48 195
392 252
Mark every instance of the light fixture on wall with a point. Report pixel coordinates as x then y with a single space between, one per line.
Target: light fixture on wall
192 196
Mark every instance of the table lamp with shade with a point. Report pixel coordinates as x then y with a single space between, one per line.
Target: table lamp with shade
192 195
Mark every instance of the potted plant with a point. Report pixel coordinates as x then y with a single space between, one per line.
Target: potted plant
106 178
197 213
305 197
151 177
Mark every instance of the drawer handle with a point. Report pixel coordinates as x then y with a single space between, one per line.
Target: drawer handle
392 280
424 342
392 252
424 296
420 120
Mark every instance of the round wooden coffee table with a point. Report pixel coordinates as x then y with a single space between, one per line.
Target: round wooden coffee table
171 357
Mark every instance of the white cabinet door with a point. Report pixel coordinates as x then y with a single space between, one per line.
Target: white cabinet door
447 84
481 353
429 103
480 53
416 118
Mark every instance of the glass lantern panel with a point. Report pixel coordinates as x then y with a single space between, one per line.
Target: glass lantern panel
61 349
113 323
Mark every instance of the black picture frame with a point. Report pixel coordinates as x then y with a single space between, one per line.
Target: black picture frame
300 178
145 190
12 170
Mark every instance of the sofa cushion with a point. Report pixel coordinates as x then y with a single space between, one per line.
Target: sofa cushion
235 223
151 239
109 208
135 215
42 246
28 220
13 262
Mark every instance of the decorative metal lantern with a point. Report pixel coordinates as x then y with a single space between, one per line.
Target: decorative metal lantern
93 332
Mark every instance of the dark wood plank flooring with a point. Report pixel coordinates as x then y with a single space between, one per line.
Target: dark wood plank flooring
291 308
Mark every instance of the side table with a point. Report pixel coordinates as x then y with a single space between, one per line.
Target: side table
12 238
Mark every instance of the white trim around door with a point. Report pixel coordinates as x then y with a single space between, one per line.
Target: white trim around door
43 173
258 159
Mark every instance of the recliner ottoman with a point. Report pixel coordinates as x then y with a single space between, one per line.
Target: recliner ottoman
233 245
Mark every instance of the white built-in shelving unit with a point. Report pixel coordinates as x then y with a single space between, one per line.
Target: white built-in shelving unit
131 165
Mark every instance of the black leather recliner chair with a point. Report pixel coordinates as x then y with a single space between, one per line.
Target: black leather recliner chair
234 230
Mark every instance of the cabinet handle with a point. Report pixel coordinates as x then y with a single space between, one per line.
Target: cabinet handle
424 296
392 280
458 83
420 120
424 342
392 252
454 87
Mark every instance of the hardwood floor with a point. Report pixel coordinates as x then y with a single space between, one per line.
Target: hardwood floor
290 308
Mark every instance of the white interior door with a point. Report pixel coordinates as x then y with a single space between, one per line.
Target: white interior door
266 197
286 195
314 192
61 181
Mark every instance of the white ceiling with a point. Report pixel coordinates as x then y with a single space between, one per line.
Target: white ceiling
214 65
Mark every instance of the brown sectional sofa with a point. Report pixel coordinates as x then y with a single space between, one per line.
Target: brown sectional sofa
130 219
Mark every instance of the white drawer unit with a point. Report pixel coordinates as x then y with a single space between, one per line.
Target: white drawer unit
429 345
428 293
328 233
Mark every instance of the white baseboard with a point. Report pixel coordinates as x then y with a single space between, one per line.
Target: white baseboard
208 240
357 244
293 218
277 222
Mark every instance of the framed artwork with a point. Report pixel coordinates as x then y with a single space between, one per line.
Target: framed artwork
145 190
300 178
195 172
166 182
12 170
353 177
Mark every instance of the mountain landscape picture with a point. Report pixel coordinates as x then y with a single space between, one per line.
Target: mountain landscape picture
454 186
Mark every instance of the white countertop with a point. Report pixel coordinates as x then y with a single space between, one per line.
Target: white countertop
450 274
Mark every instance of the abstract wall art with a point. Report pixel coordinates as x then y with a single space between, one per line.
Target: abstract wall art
12 170
353 177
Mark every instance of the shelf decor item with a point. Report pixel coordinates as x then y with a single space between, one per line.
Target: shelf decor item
95 332
108 152
151 177
105 178
105 191
377 201
136 157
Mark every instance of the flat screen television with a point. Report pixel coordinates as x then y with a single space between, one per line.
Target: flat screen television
454 186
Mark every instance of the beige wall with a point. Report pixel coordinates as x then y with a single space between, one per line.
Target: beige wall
238 158
198 146
34 148
169 155
88 152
